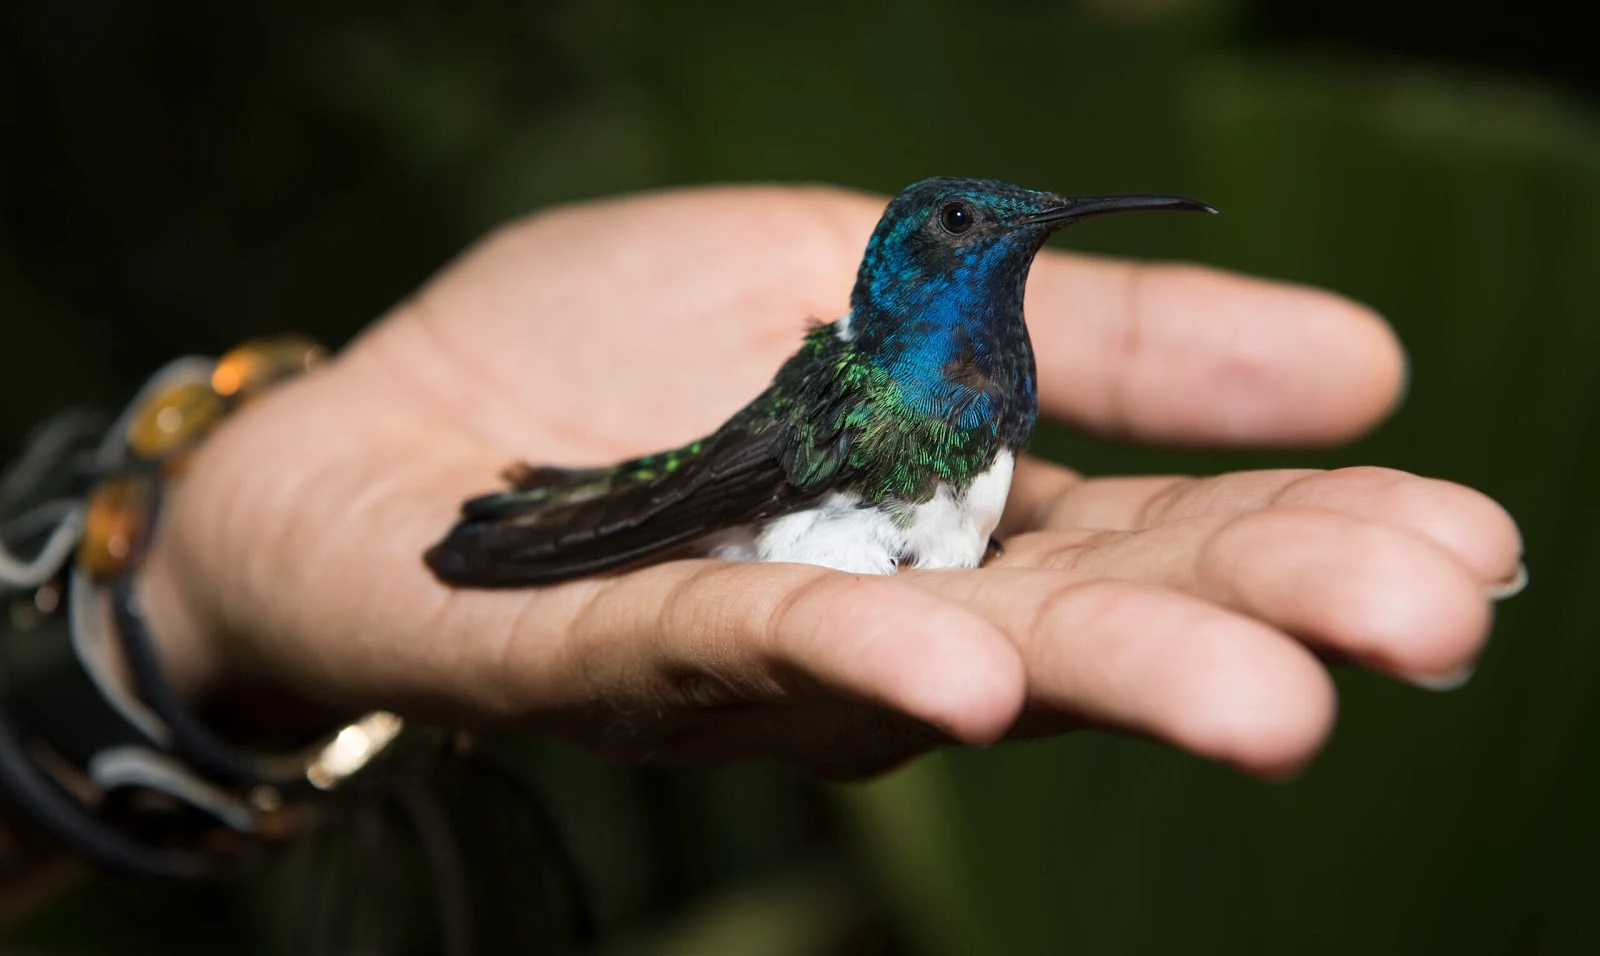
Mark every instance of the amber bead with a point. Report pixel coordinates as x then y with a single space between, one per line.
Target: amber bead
255 365
174 466
118 511
172 418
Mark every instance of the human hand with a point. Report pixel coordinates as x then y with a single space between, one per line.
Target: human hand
1194 611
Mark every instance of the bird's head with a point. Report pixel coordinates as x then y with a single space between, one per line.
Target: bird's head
974 239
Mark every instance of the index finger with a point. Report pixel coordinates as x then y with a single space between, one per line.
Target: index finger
1189 355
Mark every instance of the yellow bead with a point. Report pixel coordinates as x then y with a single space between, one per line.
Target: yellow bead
114 525
172 418
254 366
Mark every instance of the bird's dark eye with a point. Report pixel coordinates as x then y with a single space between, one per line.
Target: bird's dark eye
956 218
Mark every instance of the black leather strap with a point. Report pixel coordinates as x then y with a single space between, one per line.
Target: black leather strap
191 739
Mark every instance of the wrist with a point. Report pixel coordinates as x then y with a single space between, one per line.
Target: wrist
187 592
101 744
186 647
243 706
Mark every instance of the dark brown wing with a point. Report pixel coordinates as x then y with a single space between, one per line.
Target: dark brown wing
548 534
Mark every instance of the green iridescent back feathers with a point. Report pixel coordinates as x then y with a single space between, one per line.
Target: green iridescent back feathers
848 421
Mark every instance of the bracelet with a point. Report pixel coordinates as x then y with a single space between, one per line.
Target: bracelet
130 777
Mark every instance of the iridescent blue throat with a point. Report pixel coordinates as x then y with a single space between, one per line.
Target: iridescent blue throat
949 330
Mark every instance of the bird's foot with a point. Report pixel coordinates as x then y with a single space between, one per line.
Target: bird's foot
519 475
522 476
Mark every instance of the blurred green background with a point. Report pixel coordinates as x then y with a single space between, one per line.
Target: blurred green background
179 176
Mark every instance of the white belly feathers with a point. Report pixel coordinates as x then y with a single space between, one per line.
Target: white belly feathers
950 530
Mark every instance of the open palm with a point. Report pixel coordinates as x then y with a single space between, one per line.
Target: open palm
1192 610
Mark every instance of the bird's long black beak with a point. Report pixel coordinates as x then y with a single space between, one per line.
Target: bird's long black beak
1071 210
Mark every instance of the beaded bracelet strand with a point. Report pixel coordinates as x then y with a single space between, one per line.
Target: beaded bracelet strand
122 772
151 762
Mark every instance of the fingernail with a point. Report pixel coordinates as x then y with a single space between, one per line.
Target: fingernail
1443 683
1512 586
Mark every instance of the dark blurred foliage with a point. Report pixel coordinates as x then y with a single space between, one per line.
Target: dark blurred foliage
1543 37
179 176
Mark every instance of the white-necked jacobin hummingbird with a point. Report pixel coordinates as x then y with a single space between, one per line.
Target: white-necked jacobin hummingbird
886 441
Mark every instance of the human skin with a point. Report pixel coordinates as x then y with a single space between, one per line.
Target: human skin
287 564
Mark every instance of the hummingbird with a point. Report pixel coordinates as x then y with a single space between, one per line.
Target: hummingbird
887 440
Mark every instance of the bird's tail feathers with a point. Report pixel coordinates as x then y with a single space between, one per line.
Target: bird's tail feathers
556 524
